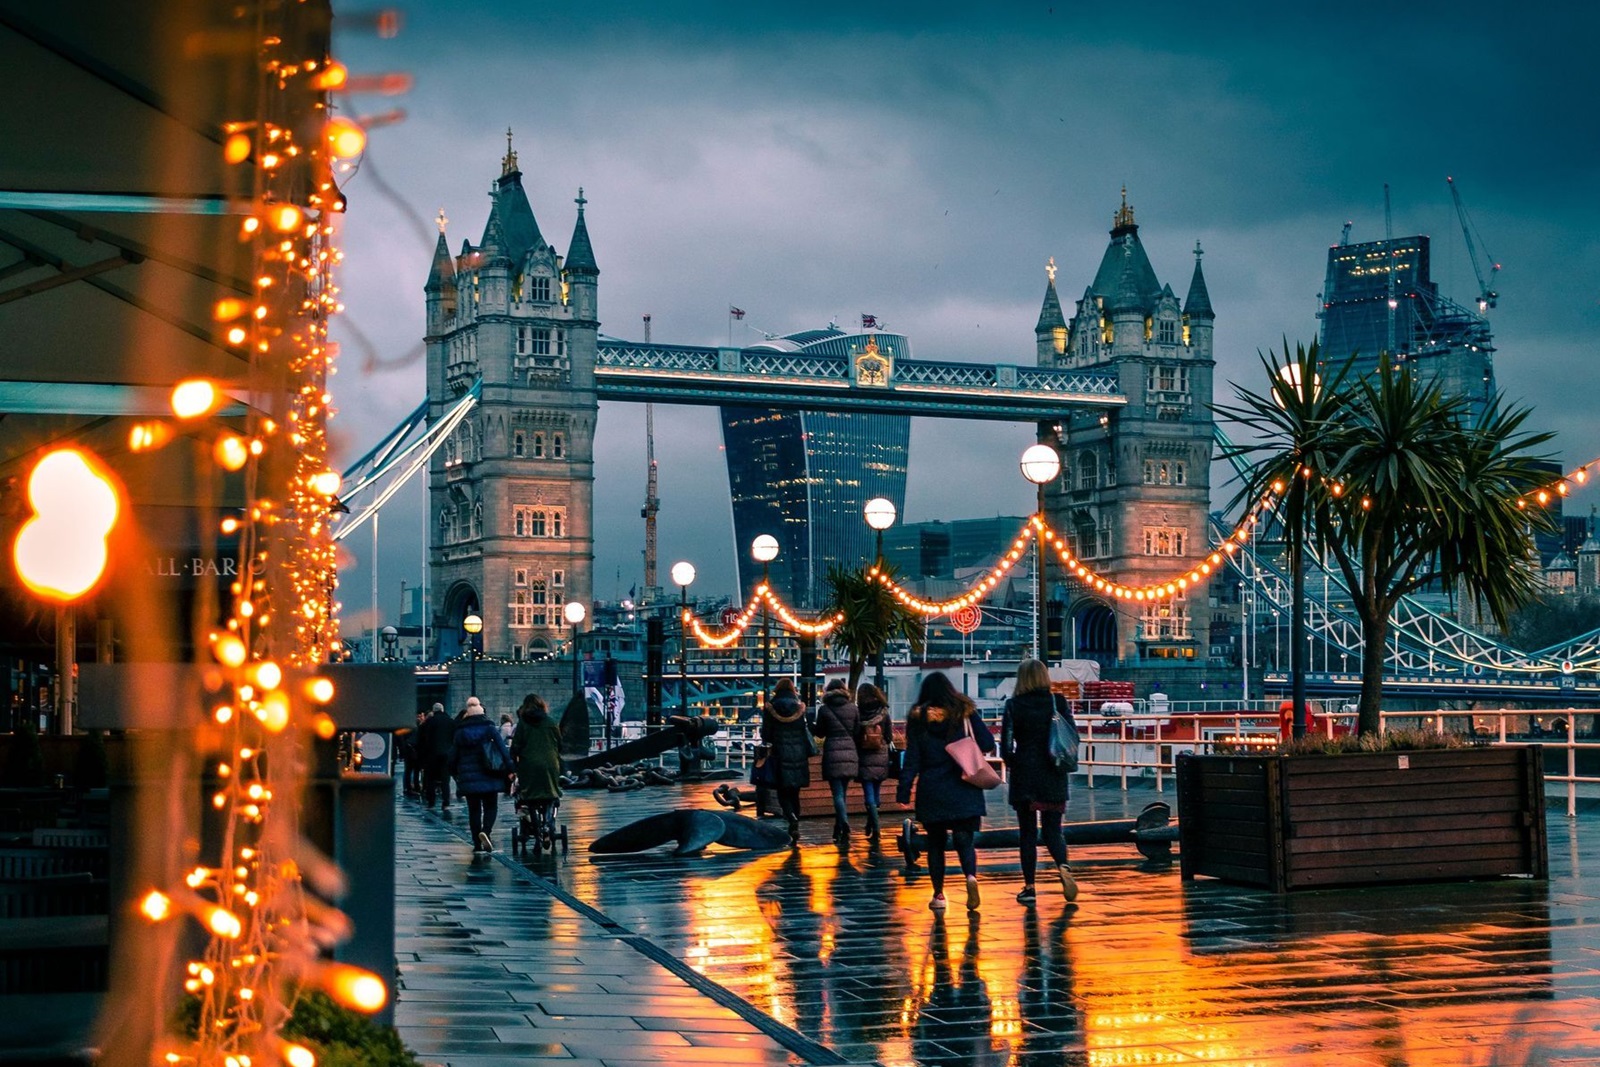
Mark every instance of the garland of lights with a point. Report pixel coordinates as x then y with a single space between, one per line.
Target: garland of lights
266 932
1035 526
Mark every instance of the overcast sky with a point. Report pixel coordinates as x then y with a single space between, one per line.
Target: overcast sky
921 161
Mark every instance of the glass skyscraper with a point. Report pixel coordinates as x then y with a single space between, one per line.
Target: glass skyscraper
1438 338
804 476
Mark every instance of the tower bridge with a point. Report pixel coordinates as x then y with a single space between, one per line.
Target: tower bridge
517 366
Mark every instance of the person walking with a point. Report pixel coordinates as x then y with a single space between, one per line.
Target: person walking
536 755
1038 789
406 746
435 742
508 728
874 743
838 724
471 762
947 807
785 730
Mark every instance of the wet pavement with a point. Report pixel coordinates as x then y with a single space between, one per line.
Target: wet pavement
830 955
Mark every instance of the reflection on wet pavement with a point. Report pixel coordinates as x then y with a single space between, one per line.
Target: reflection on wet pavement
840 945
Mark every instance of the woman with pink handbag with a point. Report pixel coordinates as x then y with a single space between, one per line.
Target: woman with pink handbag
943 731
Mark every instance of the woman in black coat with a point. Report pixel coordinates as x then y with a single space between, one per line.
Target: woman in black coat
875 740
785 731
1038 790
838 723
946 805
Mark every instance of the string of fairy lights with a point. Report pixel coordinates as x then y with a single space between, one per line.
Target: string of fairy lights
1035 527
265 929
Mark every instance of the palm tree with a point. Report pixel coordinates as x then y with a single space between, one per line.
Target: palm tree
1297 428
872 617
1404 488
1431 496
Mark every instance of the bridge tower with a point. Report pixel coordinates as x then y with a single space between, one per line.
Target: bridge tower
1135 483
511 493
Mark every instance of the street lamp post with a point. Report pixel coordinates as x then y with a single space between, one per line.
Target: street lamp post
683 577
1041 464
473 625
574 613
391 643
764 550
880 515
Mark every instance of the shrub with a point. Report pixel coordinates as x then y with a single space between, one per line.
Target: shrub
1408 740
338 1036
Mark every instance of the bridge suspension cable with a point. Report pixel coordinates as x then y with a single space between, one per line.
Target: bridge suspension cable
424 446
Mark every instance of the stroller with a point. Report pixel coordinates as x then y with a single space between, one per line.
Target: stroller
537 826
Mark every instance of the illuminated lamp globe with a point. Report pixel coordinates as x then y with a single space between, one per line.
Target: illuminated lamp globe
683 573
574 613
764 549
1290 375
880 513
473 624
1040 464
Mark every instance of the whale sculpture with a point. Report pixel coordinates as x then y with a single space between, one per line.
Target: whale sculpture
692 830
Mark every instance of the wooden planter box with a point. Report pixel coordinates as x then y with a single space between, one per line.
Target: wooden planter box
1306 822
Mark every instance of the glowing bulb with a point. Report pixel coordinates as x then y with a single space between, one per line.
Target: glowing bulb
285 218
193 398
268 674
320 690
236 149
232 453
224 923
332 76
355 988
346 139
298 1056
325 482
155 906
229 650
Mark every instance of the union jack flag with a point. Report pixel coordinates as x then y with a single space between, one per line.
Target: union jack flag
869 322
737 313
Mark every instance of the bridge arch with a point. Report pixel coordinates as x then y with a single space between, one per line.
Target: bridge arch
1094 631
460 600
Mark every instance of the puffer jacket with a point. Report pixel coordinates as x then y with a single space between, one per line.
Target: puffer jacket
838 721
875 722
1025 745
941 794
536 753
784 727
466 758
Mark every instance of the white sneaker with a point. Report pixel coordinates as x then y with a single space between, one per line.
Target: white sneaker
1069 884
485 844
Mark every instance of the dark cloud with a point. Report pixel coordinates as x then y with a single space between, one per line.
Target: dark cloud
921 161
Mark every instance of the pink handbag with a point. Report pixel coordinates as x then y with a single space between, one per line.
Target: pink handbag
975 770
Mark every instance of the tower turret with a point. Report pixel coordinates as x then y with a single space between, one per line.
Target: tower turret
1050 333
1197 313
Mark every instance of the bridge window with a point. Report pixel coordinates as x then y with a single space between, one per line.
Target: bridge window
1164 541
538 605
520 609
557 446
536 523
558 578
541 289
517 653
519 444
524 340
1167 619
1058 339
1103 550
558 523
1088 470
1167 332
541 341
561 342
519 576
477 519
1165 472
538 446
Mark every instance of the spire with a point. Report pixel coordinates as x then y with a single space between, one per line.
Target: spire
580 253
1198 303
1050 316
1123 219
443 272
508 165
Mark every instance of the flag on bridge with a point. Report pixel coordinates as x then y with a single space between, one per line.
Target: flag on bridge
737 313
869 322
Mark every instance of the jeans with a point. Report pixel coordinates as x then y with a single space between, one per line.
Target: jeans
869 793
481 810
1028 837
434 781
838 787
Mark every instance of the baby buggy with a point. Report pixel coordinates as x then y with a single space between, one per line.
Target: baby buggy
536 826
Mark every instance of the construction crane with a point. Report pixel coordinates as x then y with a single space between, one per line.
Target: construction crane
652 503
1388 248
1487 297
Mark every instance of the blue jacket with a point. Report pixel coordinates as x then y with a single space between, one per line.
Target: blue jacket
941 794
466 758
